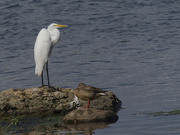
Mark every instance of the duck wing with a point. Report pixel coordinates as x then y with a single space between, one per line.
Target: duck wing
94 89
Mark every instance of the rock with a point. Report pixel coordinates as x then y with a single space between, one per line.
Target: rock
42 101
86 115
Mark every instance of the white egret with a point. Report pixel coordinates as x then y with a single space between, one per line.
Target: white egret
45 41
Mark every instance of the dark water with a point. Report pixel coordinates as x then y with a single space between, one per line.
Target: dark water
129 47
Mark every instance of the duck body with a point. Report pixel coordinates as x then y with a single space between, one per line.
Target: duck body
88 93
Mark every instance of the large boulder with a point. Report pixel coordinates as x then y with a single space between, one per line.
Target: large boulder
86 115
42 101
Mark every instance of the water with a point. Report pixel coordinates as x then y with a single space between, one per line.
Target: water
128 47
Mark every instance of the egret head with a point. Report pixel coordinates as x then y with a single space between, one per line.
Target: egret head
55 26
59 25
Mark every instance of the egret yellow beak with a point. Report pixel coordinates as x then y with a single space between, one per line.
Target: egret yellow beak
58 25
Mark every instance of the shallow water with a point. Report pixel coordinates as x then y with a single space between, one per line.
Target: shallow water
128 47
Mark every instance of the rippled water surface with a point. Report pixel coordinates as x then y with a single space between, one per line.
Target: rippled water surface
129 47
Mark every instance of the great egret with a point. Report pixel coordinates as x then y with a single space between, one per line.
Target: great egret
45 41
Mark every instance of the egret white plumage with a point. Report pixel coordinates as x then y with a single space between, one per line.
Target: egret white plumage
45 41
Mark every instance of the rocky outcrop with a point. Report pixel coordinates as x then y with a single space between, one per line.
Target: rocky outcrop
35 101
86 115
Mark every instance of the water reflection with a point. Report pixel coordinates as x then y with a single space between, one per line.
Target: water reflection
46 125
87 128
67 129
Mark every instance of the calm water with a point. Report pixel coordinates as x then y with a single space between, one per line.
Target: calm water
129 47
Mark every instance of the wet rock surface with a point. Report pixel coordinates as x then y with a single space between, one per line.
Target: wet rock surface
85 115
41 101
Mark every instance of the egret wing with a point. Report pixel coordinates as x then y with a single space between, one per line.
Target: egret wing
42 50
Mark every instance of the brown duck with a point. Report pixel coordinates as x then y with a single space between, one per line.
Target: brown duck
88 93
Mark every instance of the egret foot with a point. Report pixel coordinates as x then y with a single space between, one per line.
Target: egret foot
52 88
42 86
48 87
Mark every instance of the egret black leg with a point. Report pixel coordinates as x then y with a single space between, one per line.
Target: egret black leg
42 79
47 74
